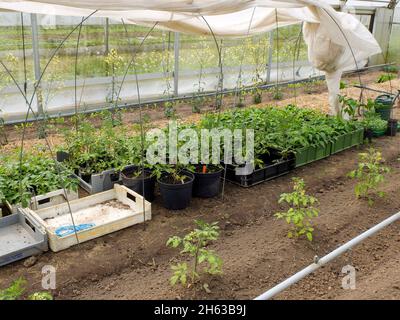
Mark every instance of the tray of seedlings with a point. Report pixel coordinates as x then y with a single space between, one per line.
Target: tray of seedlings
90 181
96 155
91 217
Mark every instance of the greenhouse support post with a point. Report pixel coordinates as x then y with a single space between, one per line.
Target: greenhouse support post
270 54
329 257
36 60
176 64
106 36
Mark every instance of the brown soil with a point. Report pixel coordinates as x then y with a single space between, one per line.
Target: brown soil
135 263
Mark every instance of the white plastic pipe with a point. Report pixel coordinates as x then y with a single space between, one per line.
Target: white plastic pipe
329 257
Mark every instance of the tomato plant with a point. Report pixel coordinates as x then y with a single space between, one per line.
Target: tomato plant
301 211
370 175
194 245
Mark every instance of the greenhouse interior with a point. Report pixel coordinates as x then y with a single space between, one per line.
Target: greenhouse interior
199 150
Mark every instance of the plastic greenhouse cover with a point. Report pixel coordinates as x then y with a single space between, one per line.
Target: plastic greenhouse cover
328 33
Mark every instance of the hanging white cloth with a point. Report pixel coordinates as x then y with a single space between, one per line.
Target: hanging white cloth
336 41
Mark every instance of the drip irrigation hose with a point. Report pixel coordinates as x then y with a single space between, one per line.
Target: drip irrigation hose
319 262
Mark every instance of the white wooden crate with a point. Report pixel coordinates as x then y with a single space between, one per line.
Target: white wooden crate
127 209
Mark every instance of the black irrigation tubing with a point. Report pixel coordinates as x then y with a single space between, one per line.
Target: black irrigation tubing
142 137
29 105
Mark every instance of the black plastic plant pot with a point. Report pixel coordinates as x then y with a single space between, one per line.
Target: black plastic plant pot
139 183
176 196
207 185
392 127
368 134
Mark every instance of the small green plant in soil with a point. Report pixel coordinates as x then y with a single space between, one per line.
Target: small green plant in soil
194 245
277 94
18 288
301 211
386 77
370 175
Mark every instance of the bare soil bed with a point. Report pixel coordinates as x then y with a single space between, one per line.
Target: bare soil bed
135 263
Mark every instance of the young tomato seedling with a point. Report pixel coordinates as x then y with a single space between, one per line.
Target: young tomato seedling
370 174
194 245
301 211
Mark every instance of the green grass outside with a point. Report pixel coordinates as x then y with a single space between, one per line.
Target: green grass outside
195 51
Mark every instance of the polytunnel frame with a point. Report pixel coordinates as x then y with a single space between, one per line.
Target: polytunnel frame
218 95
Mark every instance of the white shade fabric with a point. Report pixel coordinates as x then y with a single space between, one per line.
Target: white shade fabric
336 41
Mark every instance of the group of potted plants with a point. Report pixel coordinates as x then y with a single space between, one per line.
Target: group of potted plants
92 152
177 183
